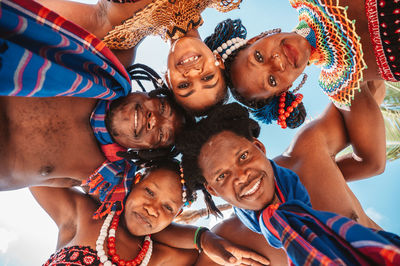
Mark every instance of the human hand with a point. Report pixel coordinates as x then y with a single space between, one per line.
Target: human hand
223 252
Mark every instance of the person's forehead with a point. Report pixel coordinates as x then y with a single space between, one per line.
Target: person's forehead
221 142
161 176
167 182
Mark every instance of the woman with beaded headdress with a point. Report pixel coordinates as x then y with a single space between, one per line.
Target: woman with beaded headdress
351 45
123 24
156 198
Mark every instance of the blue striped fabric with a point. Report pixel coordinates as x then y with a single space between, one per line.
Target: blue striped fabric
114 178
313 237
42 55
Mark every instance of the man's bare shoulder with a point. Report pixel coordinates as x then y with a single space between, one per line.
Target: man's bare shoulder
319 135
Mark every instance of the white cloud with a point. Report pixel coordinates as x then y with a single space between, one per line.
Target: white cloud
376 216
6 237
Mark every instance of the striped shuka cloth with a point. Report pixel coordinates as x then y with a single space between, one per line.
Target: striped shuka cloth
114 178
313 237
42 55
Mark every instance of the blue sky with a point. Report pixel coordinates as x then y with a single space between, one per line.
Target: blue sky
28 236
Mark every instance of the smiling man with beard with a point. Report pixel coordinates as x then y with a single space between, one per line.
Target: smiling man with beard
299 201
50 141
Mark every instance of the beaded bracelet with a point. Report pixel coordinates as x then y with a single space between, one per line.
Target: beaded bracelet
197 236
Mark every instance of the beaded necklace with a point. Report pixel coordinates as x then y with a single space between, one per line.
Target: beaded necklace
336 47
142 259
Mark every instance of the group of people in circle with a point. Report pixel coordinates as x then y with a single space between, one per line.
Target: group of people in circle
123 147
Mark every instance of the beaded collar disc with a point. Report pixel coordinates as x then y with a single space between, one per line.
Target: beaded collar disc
336 47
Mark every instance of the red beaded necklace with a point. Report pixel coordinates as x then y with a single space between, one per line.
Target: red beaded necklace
112 252
283 114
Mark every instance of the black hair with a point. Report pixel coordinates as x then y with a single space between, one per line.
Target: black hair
296 118
224 31
141 72
231 117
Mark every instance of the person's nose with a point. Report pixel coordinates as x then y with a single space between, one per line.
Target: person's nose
242 175
151 120
151 210
277 62
193 71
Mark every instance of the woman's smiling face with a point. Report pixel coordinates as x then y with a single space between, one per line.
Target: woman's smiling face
269 65
195 75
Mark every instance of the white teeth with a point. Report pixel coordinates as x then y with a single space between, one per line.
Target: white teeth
253 189
190 59
136 119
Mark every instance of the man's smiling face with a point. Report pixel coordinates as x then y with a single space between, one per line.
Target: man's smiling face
142 122
237 170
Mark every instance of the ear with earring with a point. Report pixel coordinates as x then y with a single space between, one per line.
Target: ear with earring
217 63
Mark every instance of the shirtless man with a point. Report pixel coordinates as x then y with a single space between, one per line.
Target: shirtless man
313 152
49 141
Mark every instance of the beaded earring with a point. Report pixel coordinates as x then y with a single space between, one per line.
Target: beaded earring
305 76
229 46
184 189
283 114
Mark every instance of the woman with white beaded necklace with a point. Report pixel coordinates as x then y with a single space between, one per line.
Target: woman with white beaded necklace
155 199
122 239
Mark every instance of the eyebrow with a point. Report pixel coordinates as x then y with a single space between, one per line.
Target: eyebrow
206 87
176 203
211 86
236 154
187 94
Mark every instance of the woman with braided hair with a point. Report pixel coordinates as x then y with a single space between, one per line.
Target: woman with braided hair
351 45
195 74
123 24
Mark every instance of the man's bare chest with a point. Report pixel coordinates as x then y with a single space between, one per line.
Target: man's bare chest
45 139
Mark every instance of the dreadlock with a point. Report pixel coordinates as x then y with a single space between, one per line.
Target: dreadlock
140 73
225 31
232 117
